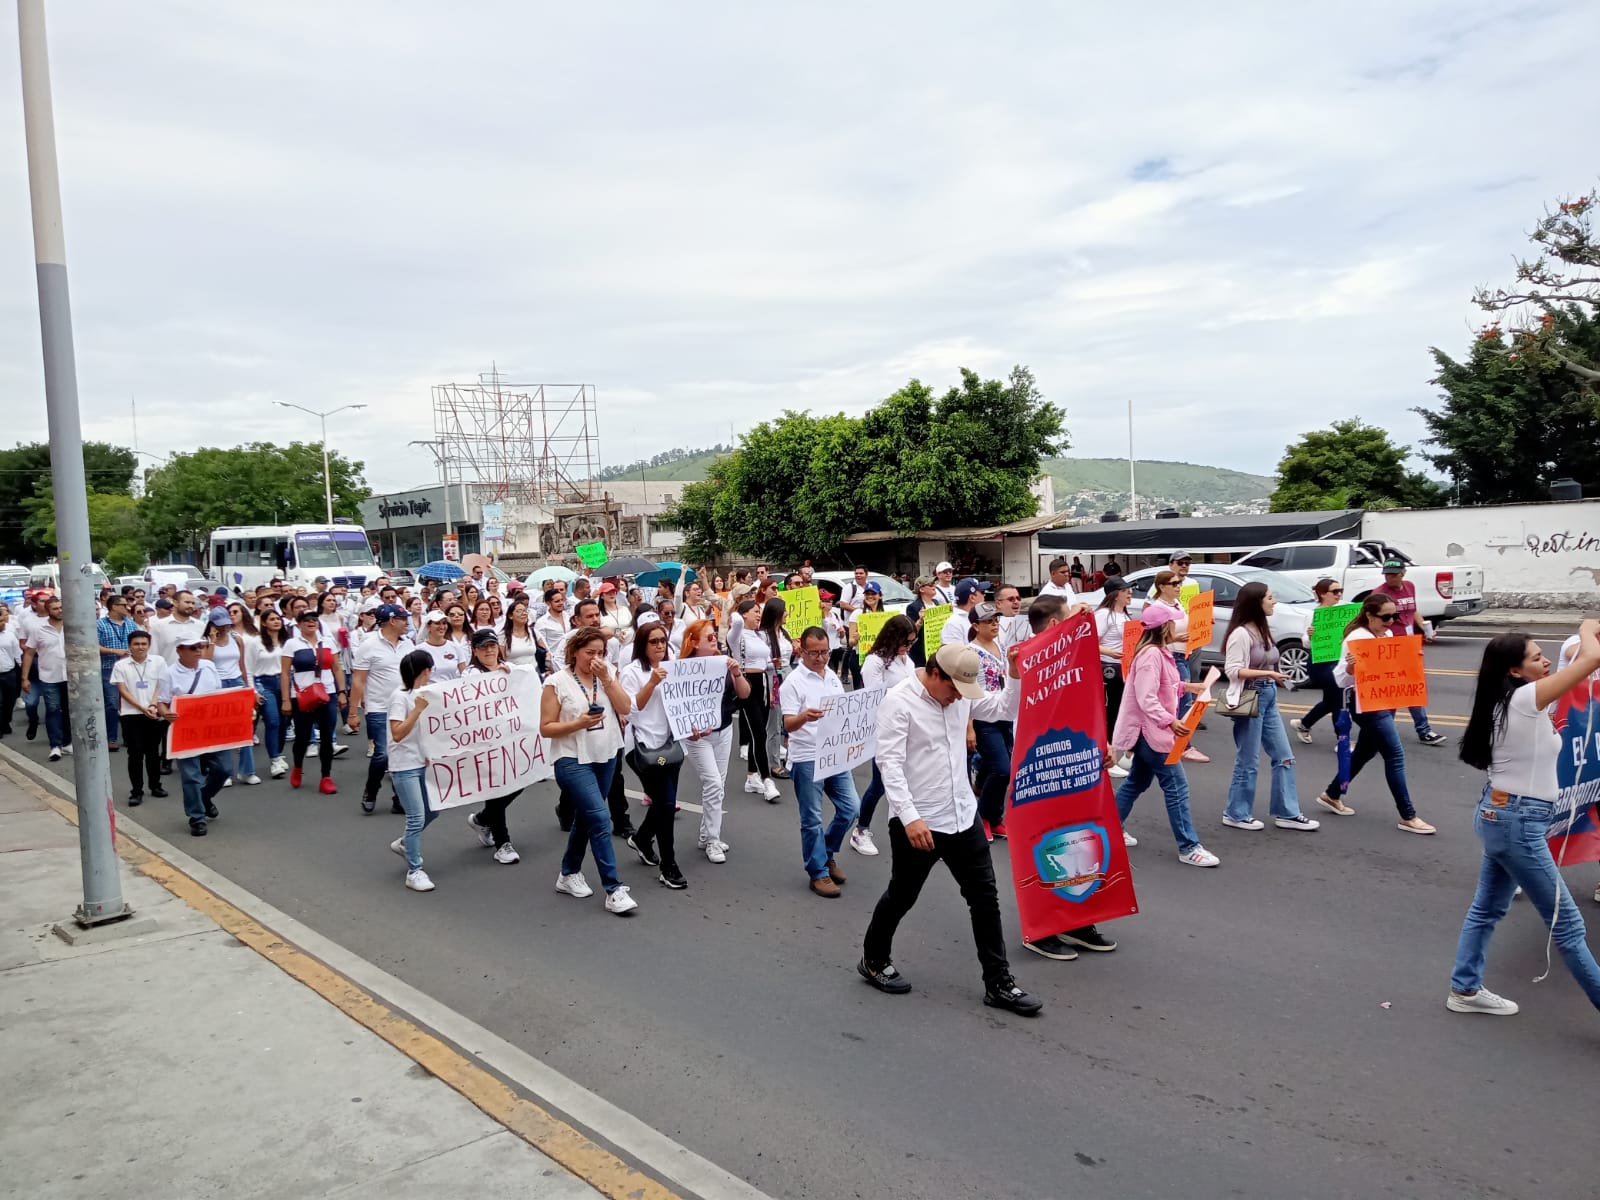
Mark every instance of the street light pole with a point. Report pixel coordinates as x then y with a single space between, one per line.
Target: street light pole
91 769
327 477
1133 487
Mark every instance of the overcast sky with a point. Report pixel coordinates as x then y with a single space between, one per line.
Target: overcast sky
1249 219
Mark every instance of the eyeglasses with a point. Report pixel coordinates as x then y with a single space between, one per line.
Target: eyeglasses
1386 617
1335 591
655 641
813 651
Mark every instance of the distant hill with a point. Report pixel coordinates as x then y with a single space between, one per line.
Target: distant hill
1087 486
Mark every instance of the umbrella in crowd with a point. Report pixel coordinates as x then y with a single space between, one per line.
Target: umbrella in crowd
551 574
626 565
440 570
667 571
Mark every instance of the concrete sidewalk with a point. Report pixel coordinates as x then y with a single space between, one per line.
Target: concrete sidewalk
182 1063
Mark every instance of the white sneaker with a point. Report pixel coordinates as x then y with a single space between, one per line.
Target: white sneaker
68 747
55 756
1300 731
485 838
769 789
256 741
752 783
370 749
1481 1001
418 881
398 845
228 782
861 841
715 852
507 855
1129 840
339 749
1200 857
1117 771
280 768
251 780
1303 823
620 901
574 885
1597 893
1250 823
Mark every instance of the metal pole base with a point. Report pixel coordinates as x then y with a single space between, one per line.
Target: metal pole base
74 933
101 915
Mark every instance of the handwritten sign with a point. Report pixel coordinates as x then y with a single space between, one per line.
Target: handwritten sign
847 734
1201 607
803 610
222 720
1389 673
1327 630
591 554
1186 593
692 694
480 735
161 579
1131 633
933 622
870 624
1188 725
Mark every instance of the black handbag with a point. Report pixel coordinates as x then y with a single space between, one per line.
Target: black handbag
651 758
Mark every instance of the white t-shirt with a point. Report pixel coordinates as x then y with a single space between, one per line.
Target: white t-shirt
381 662
521 651
49 646
1525 753
404 754
1063 590
10 649
142 679
165 633
833 623
647 726
804 689
447 660
263 661
957 631
1111 626
877 673
586 745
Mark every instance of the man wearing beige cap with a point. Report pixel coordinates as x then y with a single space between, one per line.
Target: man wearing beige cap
922 758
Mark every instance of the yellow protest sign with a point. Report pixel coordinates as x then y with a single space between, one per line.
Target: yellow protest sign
870 624
804 609
1187 593
933 621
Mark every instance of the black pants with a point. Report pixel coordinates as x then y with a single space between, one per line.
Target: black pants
1112 674
852 665
1332 694
661 785
493 817
323 718
753 714
616 801
10 689
967 856
141 737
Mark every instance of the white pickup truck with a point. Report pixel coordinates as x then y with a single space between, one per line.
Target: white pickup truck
1443 593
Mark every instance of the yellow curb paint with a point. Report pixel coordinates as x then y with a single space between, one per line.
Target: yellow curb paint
593 1164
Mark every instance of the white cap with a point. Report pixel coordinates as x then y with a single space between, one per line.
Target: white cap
944 566
434 615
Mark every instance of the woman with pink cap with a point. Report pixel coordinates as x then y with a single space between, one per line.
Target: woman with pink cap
1147 725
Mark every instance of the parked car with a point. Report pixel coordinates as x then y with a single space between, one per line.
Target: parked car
402 577
1290 622
1443 593
13 576
133 581
48 575
896 595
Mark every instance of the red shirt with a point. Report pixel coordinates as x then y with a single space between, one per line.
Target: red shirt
1404 595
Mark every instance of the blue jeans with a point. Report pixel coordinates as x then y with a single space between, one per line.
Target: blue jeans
378 735
112 701
994 754
1419 718
817 847
408 785
1250 737
1379 737
869 801
203 777
1515 853
1185 700
1149 765
270 689
56 729
586 785
247 754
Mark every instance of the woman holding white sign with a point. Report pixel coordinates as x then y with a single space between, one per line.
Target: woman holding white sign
407 765
1378 736
489 822
709 751
655 756
761 651
580 720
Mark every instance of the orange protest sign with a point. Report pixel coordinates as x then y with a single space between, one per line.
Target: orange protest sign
1189 724
222 720
1200 622
1389 673
1131 633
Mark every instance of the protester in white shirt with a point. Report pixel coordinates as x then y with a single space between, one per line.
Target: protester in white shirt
944 588
375 679
803 696
203 775
137 682
184 622
957 630
407 765
447 657
47 651
653 753
922 752
309 659
1060 579
553 625
10 669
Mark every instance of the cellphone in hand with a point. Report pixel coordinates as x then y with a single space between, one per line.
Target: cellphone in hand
597 710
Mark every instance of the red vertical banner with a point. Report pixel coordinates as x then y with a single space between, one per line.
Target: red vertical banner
1575 827
1068 862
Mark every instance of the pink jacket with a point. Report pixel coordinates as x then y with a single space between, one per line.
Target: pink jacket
1149 701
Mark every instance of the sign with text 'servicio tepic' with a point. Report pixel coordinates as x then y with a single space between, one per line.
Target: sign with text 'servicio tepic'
692 694
480 735
222 720
847 734
1389 673
1068 863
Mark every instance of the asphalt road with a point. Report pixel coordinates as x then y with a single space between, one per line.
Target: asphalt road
1237 1044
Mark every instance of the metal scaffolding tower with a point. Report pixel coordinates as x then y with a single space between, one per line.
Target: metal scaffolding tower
520 443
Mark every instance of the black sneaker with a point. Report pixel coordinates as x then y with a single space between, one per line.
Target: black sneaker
1089 938
1052 947
369 804
135 799
673 878
625 832
884 978
1433 738
197 827
211 811
395 806
160 793
1006 994
33 728
644 850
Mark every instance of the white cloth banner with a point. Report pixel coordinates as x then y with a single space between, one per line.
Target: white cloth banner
160 579
847 734
480 735
692 694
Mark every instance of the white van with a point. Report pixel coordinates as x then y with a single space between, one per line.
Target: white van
48 575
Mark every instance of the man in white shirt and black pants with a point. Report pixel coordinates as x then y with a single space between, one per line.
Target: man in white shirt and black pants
922 758
375 680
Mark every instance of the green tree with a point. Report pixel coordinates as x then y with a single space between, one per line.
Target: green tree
107 469
114 526
1512 422
192 494
694 515
1351 465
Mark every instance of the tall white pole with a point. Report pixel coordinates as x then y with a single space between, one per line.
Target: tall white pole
1133 487
91 770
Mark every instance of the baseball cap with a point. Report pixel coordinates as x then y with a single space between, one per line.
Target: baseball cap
164 604
966 587
944 566
983 612
389 612
191 640
874 586
219 616
483 636
1156 615
607 588
1115 584
963 665
1180 556
925 581
435 615
1391 565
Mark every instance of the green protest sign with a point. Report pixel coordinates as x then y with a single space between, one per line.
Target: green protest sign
591 554
1327 630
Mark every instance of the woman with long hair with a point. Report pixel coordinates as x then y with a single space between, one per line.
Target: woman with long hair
773 631
1168 589
1111 623
1378 736
1511 737
1250 660
265 660
230 655
653 753
994 738
489 822
458 630
708 751
886 664
517 637
1320 674
407 764
482 616
755 651
580 719
1147 724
